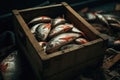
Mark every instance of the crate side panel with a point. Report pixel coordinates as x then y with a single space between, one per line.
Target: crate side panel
52 12
71 73
31 53
73 58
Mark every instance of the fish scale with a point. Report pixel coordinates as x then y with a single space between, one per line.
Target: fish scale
60 29
60 40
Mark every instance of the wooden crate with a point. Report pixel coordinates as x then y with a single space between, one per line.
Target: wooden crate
58 65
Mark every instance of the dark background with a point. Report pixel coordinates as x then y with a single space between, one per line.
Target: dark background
6 7
6 21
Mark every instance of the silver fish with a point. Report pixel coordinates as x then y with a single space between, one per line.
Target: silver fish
43 30
41 19
74 29
68 46
33 29
112 20
90 16
58 21
110 15
102 19
60 40
60 29
81 40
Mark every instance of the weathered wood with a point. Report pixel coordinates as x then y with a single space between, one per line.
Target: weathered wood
71 72
111 62
48 66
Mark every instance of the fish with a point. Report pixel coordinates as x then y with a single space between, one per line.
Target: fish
58 21
90 16
62 28
102 19
111 15
68 46
42 31
81 40
112 20
75 30
43 45
33 29
60 40
40 19
115 26
105 22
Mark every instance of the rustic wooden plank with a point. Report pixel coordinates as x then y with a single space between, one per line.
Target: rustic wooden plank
111 62
32 57
27 32
37 8
63 75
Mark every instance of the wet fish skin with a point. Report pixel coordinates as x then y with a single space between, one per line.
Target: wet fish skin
105 22
40 19
90 16
58 21
62 28
112 20
111 15
33 29
42 31
68 46
60 40
74 29
102 19
81 40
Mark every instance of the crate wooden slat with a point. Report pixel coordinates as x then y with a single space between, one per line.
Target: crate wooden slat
58 65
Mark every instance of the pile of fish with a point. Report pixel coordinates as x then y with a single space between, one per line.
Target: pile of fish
54 34
107 23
